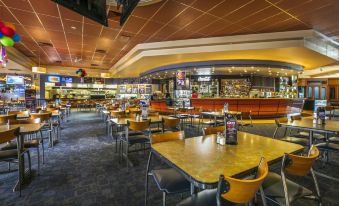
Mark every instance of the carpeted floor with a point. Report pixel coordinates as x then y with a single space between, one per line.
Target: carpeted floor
83 169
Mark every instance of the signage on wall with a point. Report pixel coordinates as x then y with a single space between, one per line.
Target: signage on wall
66 79
181 77
204 79
14 79
54 79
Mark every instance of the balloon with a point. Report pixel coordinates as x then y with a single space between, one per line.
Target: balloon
6 41
1 24
1 35
16 38
7 31
10 25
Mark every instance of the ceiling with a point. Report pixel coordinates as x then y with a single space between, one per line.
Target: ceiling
73 40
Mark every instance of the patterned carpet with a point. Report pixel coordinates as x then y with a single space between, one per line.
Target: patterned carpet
83 169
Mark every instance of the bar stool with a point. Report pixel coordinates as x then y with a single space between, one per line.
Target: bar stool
231 191
168 180
282 191
29 142
14 154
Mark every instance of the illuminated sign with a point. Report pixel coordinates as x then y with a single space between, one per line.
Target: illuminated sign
54 79
204 79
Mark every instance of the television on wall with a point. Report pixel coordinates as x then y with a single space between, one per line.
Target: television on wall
54 79
10 79
93 9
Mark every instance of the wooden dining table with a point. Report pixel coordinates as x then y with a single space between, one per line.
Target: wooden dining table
201 160
24 130
220 113
123 120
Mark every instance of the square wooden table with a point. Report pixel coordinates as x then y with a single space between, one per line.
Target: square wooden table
201 160
217 114
330 126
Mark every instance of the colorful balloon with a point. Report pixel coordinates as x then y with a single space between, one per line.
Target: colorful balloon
7 31
10 25
1 24
16 38
1 35
6 41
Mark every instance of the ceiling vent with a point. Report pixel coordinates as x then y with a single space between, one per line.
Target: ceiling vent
100 51
58 62
14 70
45 44
94 65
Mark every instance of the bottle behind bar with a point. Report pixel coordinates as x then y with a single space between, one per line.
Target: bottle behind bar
226 107
321 114
231 129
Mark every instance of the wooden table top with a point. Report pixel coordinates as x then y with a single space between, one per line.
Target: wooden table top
202 160
330 126
24 128
220 113
123 120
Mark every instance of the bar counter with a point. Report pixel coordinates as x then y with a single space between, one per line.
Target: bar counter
259 107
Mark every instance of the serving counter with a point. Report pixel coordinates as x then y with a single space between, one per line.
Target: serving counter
259 107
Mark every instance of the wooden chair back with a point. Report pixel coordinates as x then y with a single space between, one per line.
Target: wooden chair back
329 108
44 117
18 112
213 130
139 125
280 120
52 109
242 191
170 123
8 135
300 165
5 118
166 137
117 114
25 121
296 117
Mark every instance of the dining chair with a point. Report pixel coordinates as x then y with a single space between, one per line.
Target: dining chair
248 116
111 126
282 191
45 118
231 191
170 124
292 139
141 135
30 141
168 180
5 118
14 154
213 130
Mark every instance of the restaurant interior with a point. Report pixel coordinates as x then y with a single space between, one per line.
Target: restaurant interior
169 102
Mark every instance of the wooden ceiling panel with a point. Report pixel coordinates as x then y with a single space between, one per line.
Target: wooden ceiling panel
169 11
166 20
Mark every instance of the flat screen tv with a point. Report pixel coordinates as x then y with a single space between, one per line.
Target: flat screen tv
54 79
15 79
93 9
127 8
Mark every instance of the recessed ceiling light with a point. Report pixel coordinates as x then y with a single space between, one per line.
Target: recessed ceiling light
73 27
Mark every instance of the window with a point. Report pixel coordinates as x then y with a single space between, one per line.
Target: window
323 92
316 93
309 93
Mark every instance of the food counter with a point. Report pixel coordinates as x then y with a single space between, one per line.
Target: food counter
259 107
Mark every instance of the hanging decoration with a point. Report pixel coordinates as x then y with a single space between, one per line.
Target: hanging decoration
8 37
3 57
81 73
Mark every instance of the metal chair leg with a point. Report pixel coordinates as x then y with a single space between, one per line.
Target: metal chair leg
147 174
29 162
164 198
38 154
275 132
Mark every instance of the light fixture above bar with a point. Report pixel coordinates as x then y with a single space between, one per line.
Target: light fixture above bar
40 70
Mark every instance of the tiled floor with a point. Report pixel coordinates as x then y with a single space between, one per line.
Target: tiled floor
83 169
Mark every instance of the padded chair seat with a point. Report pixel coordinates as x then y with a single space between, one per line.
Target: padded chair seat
27 144
296 140
8 154
332 147
317 136
204 198
274 191
334 140
136 139
55 124
170 181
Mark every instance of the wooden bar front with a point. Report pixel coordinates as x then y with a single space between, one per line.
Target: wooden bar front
259 107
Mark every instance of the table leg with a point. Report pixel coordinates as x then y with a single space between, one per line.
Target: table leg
311 138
